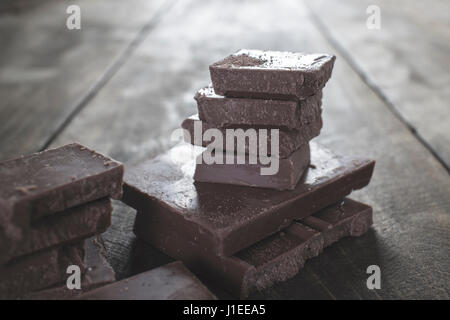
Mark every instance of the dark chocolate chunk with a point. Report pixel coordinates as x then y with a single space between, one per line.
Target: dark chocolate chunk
273 259
220 111
271 74
289 140
97 273
170 282
50 182
287 172
223 219
39 270
72 225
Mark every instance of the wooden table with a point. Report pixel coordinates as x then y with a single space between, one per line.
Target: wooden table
126 80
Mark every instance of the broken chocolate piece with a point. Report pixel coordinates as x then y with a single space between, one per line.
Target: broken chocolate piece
39 270
72 225
220 111
170 282
224 219
271 74
97 273
43 184
289 140
273 259
287 172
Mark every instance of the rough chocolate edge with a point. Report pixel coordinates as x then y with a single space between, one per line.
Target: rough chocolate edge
290 263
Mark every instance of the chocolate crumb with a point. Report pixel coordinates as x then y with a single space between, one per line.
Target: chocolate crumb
107 163
25 189
312 166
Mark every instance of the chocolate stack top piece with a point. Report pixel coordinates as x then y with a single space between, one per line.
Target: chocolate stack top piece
57 179
271 74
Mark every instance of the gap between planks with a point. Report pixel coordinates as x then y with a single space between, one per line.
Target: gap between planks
323 29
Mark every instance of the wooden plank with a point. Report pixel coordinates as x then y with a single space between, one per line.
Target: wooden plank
406 60
132 117
46 70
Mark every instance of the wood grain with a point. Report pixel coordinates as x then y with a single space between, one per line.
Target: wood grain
406 60
46 70
133 115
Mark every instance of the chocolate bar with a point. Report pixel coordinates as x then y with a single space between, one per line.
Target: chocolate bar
72 225
284 175
289 140
271 74
50 182
274 259
97 273
170 282
220 111
224 219
39 270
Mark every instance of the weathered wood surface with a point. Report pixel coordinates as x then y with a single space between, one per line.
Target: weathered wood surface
18 6
132 116
406 60
47 71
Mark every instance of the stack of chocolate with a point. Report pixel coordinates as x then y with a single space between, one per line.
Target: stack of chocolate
53 204
258 90
228 223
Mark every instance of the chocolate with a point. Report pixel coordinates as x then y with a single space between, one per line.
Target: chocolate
273 259
286 173
224 219
39 270
170 282
50 182
97 273
271 74
220 111
289 140
72 225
